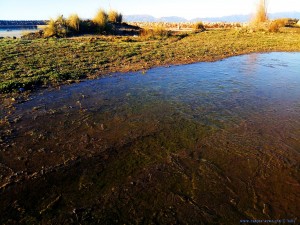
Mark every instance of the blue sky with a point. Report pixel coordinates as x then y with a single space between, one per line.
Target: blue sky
44 9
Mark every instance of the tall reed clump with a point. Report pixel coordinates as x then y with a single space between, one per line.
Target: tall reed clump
261 15
199 26
115 17
56 27
50 29
101 20
73 22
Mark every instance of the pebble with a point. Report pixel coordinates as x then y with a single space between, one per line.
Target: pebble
102 126
41 150
21 89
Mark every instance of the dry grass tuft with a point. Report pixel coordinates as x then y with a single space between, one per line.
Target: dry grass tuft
101 20
261 15
50 29
277 24
73 22
115 17
199 26
156 32
56 28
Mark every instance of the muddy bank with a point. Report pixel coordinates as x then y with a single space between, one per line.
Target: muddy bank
202 143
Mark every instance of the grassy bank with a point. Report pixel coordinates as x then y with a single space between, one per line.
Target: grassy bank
26 64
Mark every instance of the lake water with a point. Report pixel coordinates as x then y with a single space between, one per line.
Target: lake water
201 143
15 32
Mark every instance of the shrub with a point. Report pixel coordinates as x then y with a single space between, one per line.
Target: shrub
156 32
161 31
115 17
87 27
120 18
274 27
56 28
199 26
101 19
73 22
292 22
277 24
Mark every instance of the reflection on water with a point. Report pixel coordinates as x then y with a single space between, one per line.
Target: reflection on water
210 142
251 63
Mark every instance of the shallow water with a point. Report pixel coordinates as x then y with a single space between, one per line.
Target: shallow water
210 142
15 32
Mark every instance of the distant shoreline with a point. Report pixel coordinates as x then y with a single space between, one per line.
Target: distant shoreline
18 27
22 22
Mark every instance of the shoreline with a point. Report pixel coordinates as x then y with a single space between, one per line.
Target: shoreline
10 99
101 56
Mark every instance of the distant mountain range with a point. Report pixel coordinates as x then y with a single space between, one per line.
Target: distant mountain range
232 18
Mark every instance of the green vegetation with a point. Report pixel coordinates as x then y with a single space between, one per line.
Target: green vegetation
30 63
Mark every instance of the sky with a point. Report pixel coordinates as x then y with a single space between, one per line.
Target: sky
189 9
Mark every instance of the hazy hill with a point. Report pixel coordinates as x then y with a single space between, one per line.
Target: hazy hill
174 19
293 15
232 18
149 18
139 18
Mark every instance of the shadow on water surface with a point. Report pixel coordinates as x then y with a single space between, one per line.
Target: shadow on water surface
201 143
